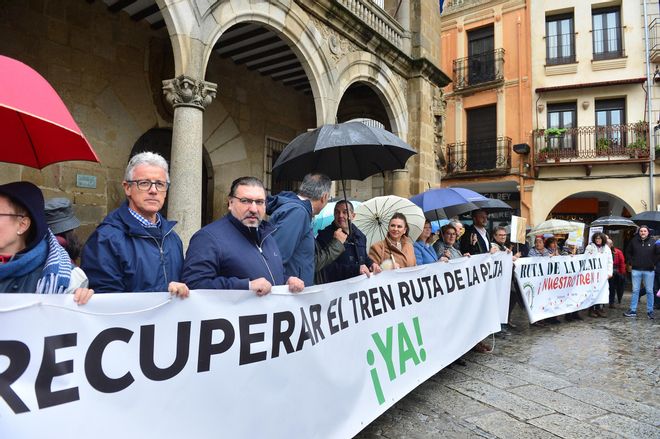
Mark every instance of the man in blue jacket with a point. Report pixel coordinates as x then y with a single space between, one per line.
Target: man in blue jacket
135 248
354 260
291 213
238 251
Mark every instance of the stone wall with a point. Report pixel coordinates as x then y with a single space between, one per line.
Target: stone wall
95 60
247 109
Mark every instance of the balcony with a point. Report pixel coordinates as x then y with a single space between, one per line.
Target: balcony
654 38
479 71
592 145
377 20
491 156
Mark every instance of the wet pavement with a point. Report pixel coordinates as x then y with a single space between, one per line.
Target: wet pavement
596 378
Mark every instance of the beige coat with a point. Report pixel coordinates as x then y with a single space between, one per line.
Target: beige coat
382 250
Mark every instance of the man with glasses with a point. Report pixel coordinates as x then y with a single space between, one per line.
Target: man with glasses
238 251
135 248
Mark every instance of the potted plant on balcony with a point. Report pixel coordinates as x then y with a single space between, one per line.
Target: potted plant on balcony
553 138
603 146
544 153
637 148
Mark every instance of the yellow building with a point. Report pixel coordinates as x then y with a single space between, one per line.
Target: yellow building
590 143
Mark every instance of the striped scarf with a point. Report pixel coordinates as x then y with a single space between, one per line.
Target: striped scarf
56 275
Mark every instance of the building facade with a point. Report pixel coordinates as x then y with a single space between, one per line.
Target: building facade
219 88
488 53
591 149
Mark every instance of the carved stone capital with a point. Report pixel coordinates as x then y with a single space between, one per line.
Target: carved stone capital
184 91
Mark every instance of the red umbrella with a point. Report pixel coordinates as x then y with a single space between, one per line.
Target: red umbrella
37 128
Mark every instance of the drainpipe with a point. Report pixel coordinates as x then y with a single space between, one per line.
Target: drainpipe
651 137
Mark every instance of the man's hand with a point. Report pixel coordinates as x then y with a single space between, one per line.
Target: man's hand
493 249
295 285
443 259
375 268
340 235
178 289
260 286
82 295
473 238
365 270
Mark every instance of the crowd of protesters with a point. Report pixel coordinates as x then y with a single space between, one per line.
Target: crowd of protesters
136 249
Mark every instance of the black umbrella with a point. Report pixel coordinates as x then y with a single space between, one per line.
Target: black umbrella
349 150
650 218
613 222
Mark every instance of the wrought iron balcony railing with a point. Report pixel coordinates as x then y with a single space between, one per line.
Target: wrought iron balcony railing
479 70
591 143
482 156
654 33
560 49
608 43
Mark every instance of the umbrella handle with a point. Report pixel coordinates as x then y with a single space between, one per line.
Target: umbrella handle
343 188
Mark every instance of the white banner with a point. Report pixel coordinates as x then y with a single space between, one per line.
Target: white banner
557 285
323 363
503 284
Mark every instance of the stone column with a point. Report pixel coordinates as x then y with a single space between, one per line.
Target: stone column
401 183
189 97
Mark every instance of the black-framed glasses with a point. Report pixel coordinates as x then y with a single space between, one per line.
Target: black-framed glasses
12 214
249 201
145 185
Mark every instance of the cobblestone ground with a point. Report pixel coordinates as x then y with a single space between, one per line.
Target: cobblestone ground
597 378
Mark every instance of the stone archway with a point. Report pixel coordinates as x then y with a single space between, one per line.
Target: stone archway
610 191
294 26
391 89
159 140
586 206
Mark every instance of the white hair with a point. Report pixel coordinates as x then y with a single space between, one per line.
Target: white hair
146 158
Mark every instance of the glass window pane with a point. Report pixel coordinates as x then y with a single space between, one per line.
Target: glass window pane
598 22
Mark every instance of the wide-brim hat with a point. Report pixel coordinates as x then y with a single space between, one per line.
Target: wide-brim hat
29 196
60 216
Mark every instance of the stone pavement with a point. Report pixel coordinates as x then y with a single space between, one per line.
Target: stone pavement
598 378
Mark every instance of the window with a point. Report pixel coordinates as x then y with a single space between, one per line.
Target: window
560 39
481 55
562 117
607 34
274 148
610 115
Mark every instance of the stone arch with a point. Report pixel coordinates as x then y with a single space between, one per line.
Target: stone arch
294 26
159 140
366 68
544 201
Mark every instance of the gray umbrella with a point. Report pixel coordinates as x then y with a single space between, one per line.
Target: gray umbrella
613 222
650 218
493 205
349 150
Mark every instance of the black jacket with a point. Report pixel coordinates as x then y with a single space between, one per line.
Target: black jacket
642 255
466 242
347 265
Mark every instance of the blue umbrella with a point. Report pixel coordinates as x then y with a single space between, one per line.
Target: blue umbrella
447 202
